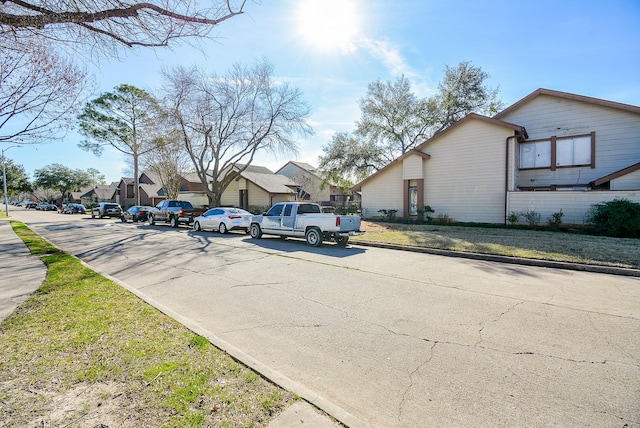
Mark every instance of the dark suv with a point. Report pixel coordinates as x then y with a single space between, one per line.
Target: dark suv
106 209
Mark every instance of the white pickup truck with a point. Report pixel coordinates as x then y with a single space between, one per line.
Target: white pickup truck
305 220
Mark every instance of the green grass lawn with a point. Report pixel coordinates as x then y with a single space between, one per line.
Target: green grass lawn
83 351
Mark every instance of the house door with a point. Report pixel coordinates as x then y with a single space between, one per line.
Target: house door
244 199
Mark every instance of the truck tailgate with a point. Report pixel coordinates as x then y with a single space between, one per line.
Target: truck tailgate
349 223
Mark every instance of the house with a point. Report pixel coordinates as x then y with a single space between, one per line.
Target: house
548 152
125 194
257 188
92 195
311 186
152 192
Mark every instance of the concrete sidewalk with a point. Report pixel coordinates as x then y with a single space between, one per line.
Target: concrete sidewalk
20 273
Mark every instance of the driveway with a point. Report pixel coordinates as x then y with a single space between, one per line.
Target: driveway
386 338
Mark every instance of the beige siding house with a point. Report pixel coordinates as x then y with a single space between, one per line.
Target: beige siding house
310 184
549 151
257 188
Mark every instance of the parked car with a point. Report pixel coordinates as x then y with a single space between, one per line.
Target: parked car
106 209
46 206
173 212
74 209
223 220
305 220
30 205
136 213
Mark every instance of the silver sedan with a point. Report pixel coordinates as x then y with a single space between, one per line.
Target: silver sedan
223 220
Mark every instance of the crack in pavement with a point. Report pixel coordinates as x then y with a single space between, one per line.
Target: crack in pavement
411 382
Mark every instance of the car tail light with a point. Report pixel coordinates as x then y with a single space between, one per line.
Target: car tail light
234 216
338 221
181 213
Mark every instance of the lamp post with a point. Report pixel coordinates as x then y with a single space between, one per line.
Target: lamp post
4 181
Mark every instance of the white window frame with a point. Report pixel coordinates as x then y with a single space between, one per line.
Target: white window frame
573 151
535 154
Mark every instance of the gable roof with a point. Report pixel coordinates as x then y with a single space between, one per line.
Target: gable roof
152 190
271 183
302 165
102 191
624 171
568 96
519 130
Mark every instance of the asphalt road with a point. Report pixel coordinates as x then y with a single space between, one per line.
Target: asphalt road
385 338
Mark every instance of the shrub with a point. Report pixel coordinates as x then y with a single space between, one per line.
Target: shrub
617 218
444 218
513 217
424 213
532 217
555 220
389 215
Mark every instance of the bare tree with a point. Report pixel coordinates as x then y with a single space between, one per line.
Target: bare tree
169 161
39 95
226 120
106 25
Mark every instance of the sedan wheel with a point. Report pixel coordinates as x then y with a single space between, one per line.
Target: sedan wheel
222 228
173 222
196 226
151 221
124 220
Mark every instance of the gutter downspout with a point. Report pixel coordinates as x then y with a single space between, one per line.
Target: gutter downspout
506 176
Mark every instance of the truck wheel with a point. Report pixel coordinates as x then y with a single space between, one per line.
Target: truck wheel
342 240
313 237
173 221
255 231
222 228
151 221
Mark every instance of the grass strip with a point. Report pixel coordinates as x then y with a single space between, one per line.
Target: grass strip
533 244
83 351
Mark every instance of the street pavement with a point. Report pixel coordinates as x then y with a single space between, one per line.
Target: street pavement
438 341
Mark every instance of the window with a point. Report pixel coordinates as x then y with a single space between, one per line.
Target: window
275 211
413 200
287 210
577 150
573 151
536 154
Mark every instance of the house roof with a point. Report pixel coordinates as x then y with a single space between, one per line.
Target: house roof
566 95
152 190
102 191
614 175
127 180
418 150
302 165
269 182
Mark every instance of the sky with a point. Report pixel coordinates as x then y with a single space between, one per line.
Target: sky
332 49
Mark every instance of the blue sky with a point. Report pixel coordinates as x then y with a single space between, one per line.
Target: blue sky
331 50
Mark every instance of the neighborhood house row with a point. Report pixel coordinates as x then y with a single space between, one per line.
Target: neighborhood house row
551 151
